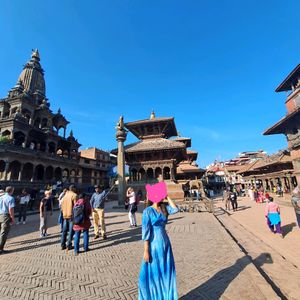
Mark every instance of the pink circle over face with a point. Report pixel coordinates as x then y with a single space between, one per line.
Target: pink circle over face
157 192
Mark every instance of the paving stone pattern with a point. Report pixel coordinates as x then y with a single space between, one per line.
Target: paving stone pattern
209 264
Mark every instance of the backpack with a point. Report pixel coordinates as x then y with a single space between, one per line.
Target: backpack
78 214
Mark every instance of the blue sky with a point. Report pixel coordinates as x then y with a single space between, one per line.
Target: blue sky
213 65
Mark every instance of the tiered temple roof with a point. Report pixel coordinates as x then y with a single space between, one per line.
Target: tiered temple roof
154 145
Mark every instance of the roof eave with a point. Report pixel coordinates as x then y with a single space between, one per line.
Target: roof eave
285 84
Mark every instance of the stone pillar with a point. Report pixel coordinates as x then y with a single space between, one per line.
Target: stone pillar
172 175
64 132
20 172
121 137
6 170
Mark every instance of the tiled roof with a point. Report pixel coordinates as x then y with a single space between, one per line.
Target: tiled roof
187 168
247 167
278 158
154 144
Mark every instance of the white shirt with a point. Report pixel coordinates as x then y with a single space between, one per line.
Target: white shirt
24 199
60 198
131 198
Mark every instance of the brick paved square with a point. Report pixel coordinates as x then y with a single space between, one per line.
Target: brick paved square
209 265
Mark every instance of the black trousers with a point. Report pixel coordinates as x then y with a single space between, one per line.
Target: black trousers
234 204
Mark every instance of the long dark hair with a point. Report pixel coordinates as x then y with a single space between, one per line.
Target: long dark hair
161 204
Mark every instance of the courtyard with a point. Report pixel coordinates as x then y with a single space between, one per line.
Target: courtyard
209 263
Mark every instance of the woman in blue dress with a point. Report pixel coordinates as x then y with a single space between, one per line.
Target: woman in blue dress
158 276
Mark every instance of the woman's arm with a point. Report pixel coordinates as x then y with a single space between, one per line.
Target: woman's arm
146 251
171 202
42 209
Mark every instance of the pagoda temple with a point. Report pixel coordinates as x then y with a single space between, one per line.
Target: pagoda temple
160 154
154 155
188 168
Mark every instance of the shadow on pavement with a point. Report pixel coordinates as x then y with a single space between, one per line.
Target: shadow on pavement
243 207
128 236
215 287
286 229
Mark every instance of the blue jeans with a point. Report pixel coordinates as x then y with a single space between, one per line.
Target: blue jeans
61 221
67 230
85 240
298 219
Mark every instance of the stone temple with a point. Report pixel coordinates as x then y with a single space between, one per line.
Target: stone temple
34 147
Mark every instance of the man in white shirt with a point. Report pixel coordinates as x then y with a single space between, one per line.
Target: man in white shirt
7 204
24 199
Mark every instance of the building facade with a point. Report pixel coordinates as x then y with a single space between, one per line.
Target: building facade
290 124
34 147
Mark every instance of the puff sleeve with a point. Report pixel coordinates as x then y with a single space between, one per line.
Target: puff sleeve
171 210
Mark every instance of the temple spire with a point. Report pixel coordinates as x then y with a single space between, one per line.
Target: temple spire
35 54
152 116
32 77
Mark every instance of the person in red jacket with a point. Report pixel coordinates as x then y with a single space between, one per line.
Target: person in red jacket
84 226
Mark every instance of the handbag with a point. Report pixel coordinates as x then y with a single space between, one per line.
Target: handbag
133 208
126 203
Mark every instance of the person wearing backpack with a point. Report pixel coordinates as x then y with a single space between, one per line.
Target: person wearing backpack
67 204
81 218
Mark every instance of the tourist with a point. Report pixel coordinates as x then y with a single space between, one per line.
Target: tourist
225 194
33 195
67 204
24 199
46 209
251 193
158 275
60 215
132 206
296 203
7 204
272 214
82 206
233 200
267 196
227 199
98 204
139 196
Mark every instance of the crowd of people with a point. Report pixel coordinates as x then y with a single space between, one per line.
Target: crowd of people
157 278
272 209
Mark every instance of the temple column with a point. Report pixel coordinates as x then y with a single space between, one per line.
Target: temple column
172 175
288 179
6 170
121 137
20 172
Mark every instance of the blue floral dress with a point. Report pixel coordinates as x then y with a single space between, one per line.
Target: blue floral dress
158 277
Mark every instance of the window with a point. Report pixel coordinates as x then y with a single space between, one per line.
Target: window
86 161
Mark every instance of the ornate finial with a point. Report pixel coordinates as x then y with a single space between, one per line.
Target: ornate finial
120 124
35 54
152 116
121 131
71 133
59 111
178 134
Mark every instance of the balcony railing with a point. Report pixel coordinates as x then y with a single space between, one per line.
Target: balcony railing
33 152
